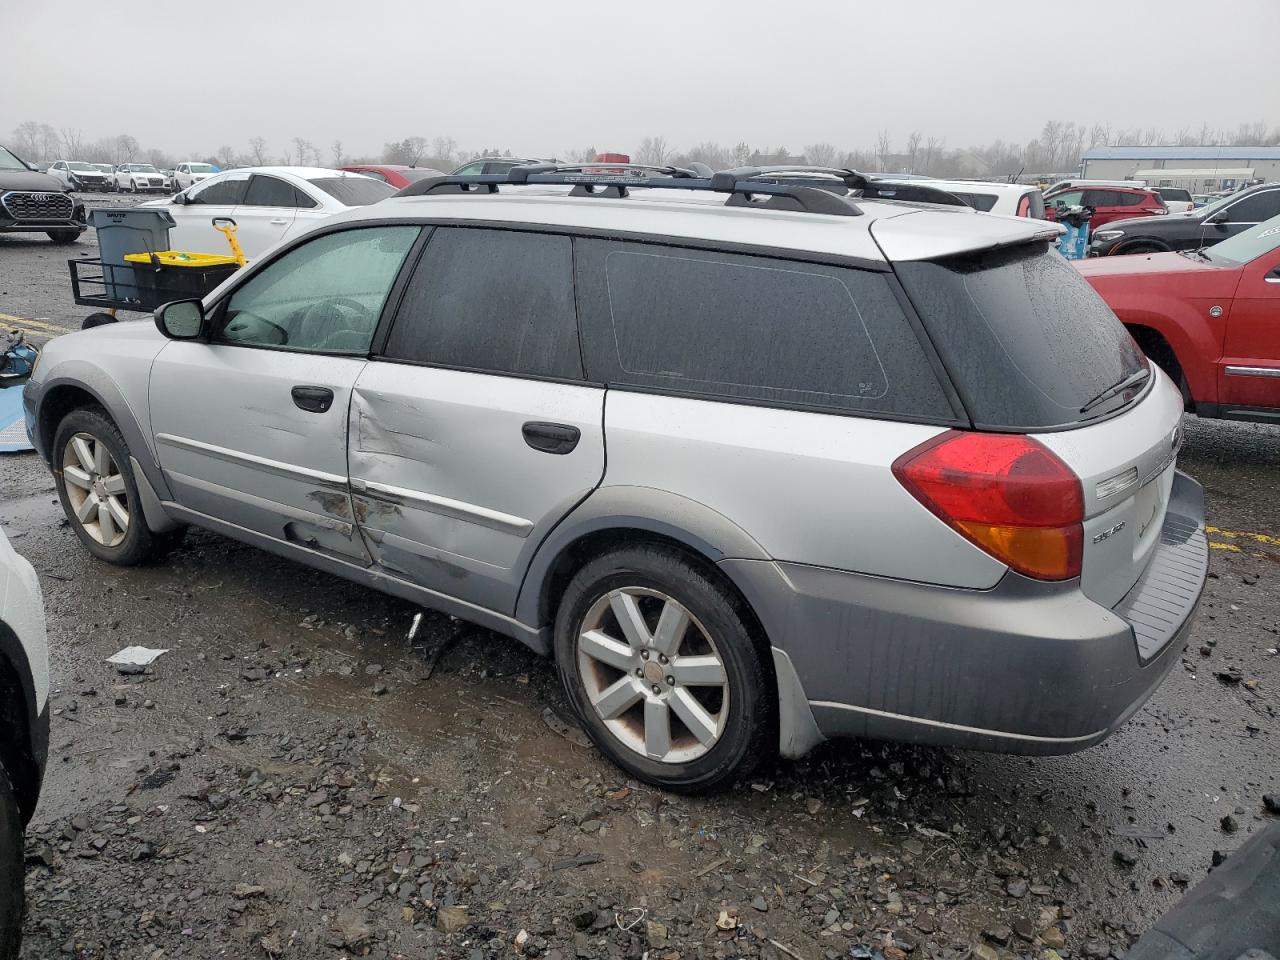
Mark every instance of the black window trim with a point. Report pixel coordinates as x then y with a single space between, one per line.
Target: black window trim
391 307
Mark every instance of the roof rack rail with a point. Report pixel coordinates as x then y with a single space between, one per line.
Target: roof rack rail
868 187
600 179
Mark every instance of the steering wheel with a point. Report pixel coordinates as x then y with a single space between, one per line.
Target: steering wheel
240 327
355 306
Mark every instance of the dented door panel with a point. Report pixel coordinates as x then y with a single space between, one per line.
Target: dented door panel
445 488
234 445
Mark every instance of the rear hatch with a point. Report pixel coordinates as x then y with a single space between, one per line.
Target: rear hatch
1032 348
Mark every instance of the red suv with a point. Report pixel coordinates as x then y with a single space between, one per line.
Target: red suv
1207 317
1108 203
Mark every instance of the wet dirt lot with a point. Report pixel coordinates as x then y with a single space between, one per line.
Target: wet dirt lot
295 778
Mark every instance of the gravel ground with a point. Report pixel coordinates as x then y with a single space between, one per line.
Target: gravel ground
294 778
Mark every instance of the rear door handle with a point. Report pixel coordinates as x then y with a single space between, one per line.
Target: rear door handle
280 221
557 438
312 399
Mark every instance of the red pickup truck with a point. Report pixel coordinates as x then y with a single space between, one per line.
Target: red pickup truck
1210 318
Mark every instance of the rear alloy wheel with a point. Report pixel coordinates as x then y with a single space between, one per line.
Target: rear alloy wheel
663 669
1135 248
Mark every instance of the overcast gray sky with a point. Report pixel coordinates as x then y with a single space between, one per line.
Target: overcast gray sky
541 77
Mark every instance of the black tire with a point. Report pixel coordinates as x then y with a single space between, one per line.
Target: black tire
750 731
139 543
12 889
1139 246
97 320
64 236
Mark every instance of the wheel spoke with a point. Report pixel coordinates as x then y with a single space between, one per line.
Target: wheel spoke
114 484
600 646
700 723
87 508
77 478
617 698
630 621
105 524
101 458
83 453
671 627
700 671
119 515
657 729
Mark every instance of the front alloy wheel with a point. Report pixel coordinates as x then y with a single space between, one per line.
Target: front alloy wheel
653 675
96 489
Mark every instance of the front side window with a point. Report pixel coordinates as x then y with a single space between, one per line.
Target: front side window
1070 199
729 326
1255 208
226 190
492 300
322 297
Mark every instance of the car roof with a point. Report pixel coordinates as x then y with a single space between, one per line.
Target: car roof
304 173
886 230
980 186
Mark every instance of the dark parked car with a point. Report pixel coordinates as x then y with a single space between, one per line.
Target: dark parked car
34 202
1198 228
1107 203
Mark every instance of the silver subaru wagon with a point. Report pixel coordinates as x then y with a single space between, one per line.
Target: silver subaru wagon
759 462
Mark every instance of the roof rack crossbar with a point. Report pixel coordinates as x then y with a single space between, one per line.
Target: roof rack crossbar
600 179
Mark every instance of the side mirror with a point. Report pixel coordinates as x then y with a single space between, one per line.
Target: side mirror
180 319
180 198
1219 218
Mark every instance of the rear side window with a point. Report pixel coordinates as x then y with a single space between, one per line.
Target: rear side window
1174 194
270 192
1027 340
979 201
493 300
740 327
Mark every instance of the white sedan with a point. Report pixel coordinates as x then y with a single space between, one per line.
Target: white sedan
268 205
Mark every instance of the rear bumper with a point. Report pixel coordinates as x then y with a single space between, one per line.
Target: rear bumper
1026 667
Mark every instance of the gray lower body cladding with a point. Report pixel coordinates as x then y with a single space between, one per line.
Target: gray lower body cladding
1026 667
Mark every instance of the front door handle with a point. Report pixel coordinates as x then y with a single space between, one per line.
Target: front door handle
312 399
280 221
557 438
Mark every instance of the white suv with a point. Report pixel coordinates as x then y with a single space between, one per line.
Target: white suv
758 462
24 727
191 171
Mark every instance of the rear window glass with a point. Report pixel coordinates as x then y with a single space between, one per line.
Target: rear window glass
1172 193
1027 340
979 201
355 190
731 326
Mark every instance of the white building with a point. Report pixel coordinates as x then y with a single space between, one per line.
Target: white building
1199 169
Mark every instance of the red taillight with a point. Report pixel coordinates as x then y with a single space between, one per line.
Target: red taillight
1007 493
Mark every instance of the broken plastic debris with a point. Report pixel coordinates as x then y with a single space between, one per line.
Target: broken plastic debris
413 627
134 659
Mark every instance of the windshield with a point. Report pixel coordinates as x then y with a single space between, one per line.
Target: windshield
202 168
76 165
1243 247
142 168
105 167
1208 209
419 173
9 162
355 190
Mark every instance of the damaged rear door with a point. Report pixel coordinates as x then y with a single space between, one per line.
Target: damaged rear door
251 426
472 431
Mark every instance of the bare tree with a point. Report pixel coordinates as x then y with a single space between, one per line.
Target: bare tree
883 146
339 158
1207 136
49 141
821 154
126 148
26 137
258 151
72 143
739 154
913 150
652 150
226 157
444 153
932 147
